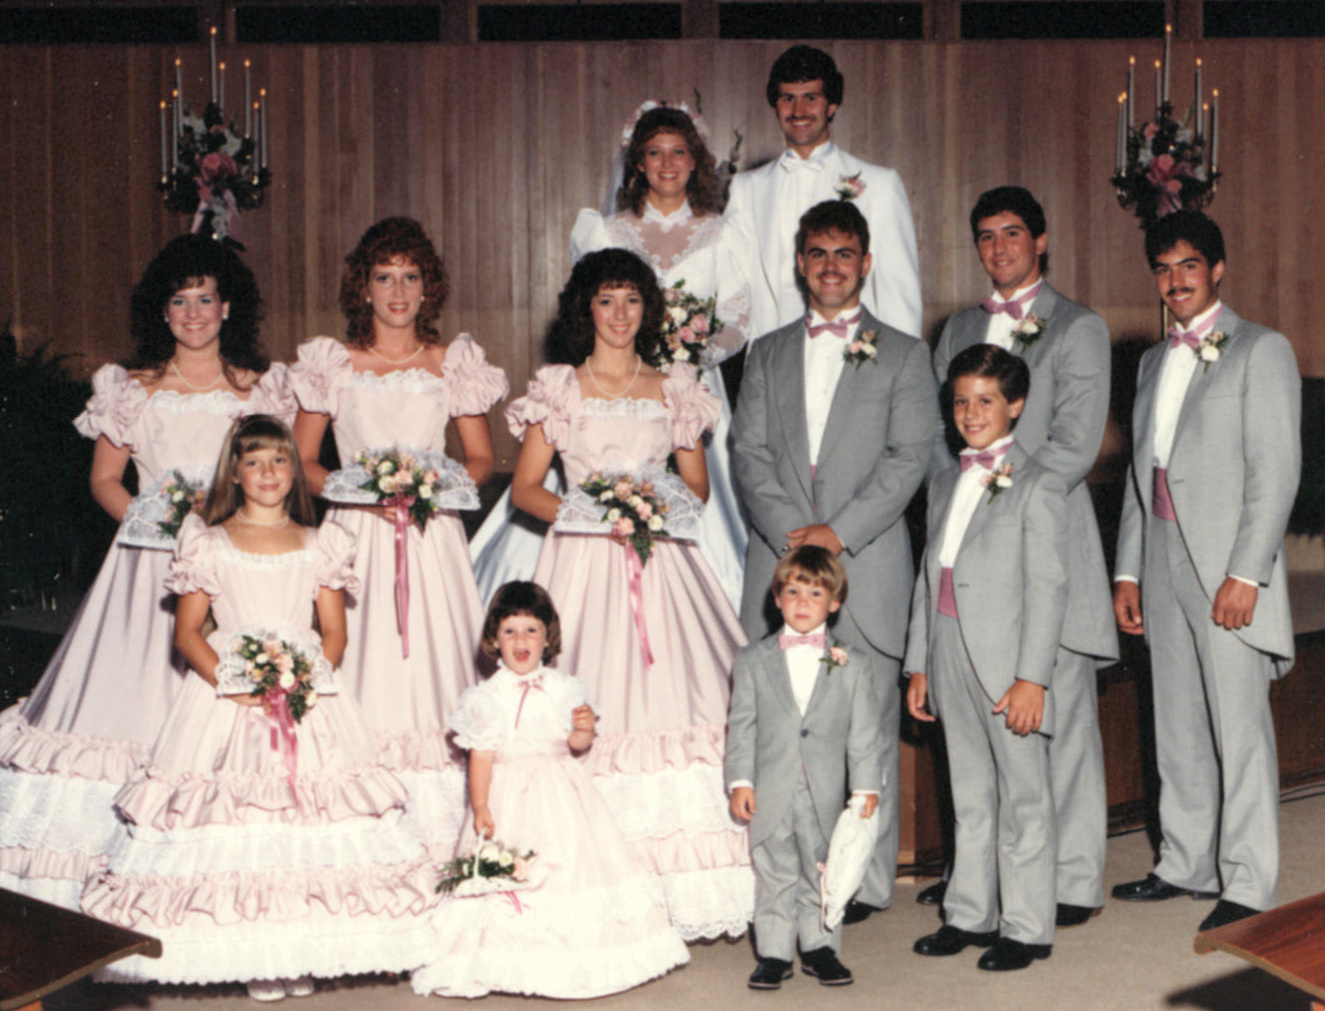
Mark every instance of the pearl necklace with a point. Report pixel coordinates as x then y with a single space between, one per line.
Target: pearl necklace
276 524
613 396
174 367
397 361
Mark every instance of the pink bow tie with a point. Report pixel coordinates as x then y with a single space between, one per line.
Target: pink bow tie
816 639
986 458
837 327
1016 308
1192 338
528 683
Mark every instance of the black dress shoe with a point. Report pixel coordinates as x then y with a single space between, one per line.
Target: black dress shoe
857 911
1226 912
1008 954
933 895
1069 915
769 974
1153 888
950 940
822 964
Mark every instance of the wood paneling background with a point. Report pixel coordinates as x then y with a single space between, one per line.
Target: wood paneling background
496 147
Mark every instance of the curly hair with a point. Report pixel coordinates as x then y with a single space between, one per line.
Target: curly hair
513 600
702 187
257 431
185 262
805 63
383 242
571 337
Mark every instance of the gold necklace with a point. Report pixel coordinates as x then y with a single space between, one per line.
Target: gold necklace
397 361
276 525
613 396
174 367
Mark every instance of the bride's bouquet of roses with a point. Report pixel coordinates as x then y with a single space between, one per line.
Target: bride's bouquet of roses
491 867
637 513
689 325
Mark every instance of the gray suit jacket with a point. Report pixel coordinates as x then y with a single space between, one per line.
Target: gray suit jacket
838 742
1062 426
875 450
1009 579
1232 473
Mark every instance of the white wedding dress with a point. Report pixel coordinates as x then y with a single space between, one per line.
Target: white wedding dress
681 247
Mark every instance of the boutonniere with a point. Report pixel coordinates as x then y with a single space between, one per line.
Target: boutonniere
835 657
998 479
1211 348
863 349
1029 329
849 187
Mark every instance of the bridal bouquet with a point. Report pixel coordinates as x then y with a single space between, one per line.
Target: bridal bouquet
689 325
491 867
276 669
398 478
638 515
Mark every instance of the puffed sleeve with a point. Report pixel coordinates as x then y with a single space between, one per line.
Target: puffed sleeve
474 384
194 566
334 547
588 235
693 409
113 411
274 395
322 370
550 401
477 720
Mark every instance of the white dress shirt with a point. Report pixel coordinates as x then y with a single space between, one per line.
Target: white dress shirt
967 494
823 368
1001 324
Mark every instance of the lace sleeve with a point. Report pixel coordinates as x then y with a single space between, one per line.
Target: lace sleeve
113 411
549 401
477 720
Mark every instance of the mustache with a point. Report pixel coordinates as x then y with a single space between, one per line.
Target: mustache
1179 291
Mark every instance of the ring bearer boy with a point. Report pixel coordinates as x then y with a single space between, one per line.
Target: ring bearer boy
1066 347
1215 465
986 623
804 726
833 432
805 90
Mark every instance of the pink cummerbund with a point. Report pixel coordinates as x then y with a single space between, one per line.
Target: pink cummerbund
1161 503
947 596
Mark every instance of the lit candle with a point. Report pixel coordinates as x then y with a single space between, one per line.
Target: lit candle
262 126
256 153
1214 134
1198 95
1122 133
179 117
248 101
1167 61
1159 93
220 100
213 48
1204 123
1131 91
164 141
179 80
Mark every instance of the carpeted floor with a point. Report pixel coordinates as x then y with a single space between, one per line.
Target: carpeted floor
1133 957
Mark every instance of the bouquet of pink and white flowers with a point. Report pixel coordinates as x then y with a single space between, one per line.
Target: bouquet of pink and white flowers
277 670
396 477
689 325
182 497
637 513
491 867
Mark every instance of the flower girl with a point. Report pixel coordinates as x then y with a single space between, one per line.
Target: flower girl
577 916
263 841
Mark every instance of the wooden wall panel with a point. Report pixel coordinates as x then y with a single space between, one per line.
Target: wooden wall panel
496 147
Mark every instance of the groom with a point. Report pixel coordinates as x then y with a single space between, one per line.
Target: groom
833 430
805 90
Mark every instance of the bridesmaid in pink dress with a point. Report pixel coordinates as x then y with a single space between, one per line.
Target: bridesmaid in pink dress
90 722
658 759
394 384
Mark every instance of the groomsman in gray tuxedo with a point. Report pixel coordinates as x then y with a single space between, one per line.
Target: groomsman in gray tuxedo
805 90
833 431
1066 347
1200 572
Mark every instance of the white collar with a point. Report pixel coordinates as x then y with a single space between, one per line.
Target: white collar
681 214
1208 316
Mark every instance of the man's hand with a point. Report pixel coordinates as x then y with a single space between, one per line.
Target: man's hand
1127 607
917 691
1235 603
1024 704
819 534
743 803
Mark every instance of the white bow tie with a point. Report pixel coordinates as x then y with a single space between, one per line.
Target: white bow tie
792 162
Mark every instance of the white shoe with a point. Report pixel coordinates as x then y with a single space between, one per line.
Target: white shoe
301 987
266 990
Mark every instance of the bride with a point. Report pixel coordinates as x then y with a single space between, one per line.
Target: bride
669 214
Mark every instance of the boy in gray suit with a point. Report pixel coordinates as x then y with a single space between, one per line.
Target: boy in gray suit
986 623
804 726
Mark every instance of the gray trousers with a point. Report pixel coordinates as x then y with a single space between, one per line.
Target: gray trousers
787 883
1005 836
1214 737
1076 770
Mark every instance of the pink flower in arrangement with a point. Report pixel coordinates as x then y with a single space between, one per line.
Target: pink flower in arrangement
285 663
217 165
625 527
520 869
645 510
623 490
700 325
1149 131
272 647
1166 174
686 335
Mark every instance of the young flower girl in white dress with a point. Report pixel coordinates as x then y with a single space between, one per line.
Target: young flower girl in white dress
588 919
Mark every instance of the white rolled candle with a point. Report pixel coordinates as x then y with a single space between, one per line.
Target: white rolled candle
1122 133
220 95
179 80
248 100
1159 90
213 58
1168 54
262 127
179 120
1214 134
164 140
1131 91
1198 98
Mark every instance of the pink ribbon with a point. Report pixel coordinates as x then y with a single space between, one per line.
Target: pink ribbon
515 901
402 505
204 205
635 572
283 737
527 684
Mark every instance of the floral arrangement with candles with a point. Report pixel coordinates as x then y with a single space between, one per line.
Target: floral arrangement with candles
215 174
1166 170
